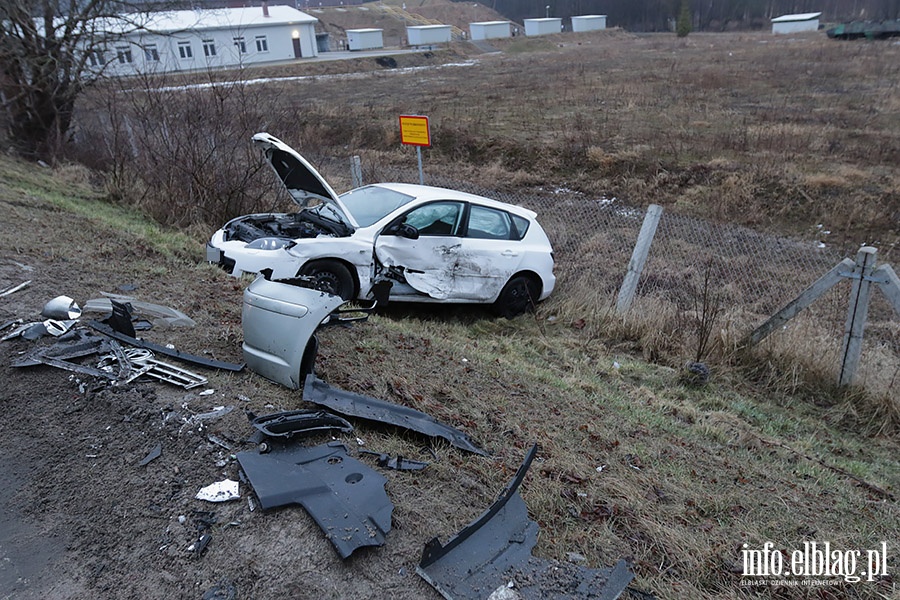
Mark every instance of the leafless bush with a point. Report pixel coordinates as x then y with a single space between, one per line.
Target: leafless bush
182 153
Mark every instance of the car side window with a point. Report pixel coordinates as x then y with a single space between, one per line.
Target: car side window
437 218
521 224
489 223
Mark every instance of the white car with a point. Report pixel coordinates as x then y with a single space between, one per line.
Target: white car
431 244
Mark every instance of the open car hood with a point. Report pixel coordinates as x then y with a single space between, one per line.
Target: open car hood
302 181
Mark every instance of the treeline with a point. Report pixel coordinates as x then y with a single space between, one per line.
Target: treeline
721 15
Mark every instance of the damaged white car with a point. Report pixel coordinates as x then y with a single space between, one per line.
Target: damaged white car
431 244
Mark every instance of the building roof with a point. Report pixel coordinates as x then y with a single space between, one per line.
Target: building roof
221 18
797 17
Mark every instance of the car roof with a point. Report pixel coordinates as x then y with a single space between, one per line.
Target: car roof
427 193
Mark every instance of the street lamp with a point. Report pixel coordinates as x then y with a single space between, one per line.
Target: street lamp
548 11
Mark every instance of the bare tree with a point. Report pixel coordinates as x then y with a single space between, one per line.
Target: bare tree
47 57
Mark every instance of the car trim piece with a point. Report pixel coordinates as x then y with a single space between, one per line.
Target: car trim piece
299 422
183 356
344 497
494 551
356 405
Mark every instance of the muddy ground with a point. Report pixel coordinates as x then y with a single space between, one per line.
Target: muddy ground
81 518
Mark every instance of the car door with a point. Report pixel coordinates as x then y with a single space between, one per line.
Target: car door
489 254
463 252
428 262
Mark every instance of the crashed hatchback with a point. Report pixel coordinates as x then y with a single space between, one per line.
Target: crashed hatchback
432 244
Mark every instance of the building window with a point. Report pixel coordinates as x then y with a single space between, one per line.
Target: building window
241 45
151 53
262 45
123 53
185 50
209 47
96 58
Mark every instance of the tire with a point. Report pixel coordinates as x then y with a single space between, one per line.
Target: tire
330 276
518 297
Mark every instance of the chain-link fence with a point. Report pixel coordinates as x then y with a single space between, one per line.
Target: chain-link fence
753 274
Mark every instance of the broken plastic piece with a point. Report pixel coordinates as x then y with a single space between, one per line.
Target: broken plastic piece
397 463
160 316
344 497
153 455
15 288
61 307
216 413
55 356
147 365
363 407
299 422
221 491
120 319
494 551
206 362
200 545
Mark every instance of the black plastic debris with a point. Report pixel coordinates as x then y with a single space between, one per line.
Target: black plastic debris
343 496
151 456
77 344
183 356
120 319
299 422
397 463
494 551
200 545
364 407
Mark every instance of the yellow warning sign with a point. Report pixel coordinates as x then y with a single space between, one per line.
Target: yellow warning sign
414 130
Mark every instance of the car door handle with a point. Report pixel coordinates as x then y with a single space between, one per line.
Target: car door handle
509 253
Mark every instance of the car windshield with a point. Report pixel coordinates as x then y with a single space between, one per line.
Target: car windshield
369 204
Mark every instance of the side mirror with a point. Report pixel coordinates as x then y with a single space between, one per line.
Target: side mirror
403 230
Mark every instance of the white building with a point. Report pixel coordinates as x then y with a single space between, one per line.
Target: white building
796 23
543 26
427 35
588 23
488 30
199 39
365 39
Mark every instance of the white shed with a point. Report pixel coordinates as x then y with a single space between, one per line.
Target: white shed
796 23
487 30
543 26
426 35
365 39
184 40
588 23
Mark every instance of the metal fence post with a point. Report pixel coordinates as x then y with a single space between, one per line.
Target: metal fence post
355 172
638 257
857 313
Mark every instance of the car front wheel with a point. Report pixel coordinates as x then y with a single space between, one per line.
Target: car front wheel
331 277
518 296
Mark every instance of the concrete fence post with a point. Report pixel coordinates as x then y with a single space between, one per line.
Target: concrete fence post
355 172
638 258
857 313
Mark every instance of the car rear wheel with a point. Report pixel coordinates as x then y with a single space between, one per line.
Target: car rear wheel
330 276
518 296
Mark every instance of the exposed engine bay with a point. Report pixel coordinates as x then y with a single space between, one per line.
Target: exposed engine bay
292 226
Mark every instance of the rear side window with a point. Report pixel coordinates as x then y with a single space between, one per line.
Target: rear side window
521 224
489 224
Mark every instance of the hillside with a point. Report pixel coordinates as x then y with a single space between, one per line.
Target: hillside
633 463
